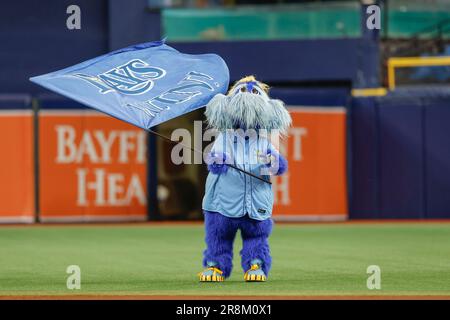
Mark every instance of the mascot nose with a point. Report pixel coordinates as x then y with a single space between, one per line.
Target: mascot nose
250 86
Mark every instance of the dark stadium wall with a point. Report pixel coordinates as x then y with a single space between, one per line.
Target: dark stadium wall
401 175
363 194
317 181
35 40
326 60
130 22
66 131
40 42
398 145
400 155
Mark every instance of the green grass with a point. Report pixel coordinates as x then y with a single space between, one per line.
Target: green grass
310 259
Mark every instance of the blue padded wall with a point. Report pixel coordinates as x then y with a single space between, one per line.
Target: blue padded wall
364 201
34 39
437 142
401 166
401 155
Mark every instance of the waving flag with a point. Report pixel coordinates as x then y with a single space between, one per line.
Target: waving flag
145 84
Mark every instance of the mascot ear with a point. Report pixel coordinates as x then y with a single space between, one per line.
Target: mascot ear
216 112
282 118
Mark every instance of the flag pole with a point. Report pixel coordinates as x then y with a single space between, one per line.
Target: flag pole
198 151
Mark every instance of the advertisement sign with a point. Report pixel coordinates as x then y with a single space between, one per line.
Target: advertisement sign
92 167
315 186
16 170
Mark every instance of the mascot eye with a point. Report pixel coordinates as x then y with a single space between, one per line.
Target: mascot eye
254 91
243 89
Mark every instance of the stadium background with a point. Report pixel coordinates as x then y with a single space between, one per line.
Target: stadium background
369 141
356 149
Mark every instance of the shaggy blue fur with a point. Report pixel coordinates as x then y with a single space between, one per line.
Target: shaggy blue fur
216 162
220 234
247 111
282 165
280 162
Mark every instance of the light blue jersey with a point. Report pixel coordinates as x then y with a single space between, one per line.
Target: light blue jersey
233 193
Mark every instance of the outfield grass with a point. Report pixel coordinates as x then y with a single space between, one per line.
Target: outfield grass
310 259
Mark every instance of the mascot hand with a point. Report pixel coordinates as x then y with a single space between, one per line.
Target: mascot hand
276 163
216 162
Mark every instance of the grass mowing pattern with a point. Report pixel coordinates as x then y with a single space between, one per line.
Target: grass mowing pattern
311 259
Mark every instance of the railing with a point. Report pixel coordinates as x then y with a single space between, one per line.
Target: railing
413 51
405 62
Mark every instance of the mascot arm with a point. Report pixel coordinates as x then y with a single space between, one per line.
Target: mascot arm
216 162
277 164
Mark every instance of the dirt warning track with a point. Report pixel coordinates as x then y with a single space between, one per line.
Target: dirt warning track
222 298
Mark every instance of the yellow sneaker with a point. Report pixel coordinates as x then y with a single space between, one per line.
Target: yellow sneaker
255 274
211 274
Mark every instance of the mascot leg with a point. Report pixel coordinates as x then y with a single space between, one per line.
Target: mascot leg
255 254
218 256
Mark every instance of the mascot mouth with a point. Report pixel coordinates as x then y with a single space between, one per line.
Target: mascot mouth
248 111
245 110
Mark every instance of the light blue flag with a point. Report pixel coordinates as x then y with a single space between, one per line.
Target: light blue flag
144 84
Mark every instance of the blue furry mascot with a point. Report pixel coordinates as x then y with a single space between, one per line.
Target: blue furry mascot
235 201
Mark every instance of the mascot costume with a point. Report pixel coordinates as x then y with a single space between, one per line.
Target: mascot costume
235 201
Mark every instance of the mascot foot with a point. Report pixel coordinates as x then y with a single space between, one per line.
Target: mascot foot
211 274
255 273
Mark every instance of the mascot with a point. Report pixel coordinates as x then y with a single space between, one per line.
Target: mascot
247 120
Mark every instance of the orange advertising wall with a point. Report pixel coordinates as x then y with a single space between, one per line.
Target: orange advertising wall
315 186
92 167
16 169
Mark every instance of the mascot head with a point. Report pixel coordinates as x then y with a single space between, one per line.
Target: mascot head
247 106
